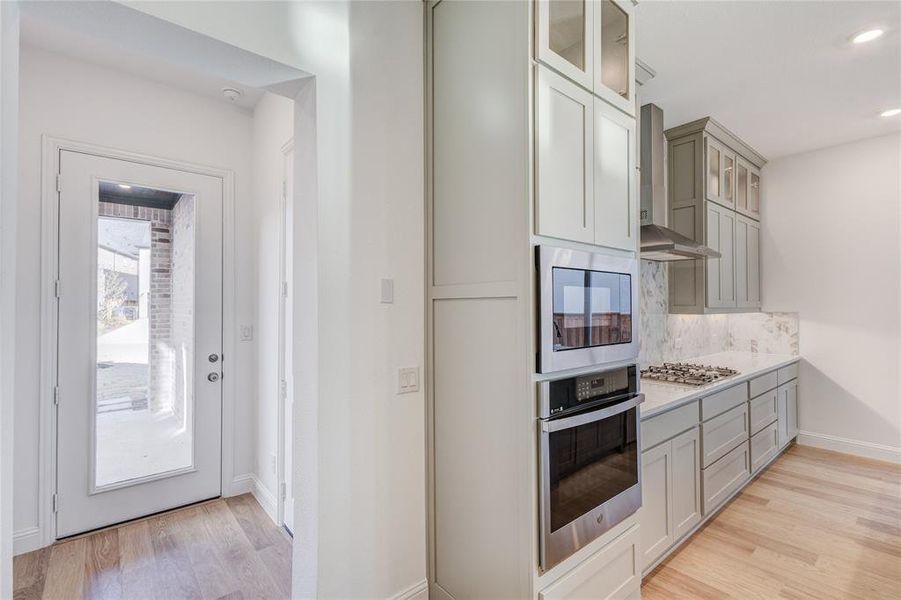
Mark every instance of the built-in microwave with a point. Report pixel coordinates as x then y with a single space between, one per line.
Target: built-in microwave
588 308
589 458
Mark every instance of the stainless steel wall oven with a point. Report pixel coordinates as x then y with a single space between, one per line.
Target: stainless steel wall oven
588 308
589 458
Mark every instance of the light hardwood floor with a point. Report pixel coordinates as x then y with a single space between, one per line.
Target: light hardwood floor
226 549
815 524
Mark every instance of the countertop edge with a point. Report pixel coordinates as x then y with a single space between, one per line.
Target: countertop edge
718 386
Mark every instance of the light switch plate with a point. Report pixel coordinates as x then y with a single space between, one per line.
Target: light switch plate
407 380
246 333
387 291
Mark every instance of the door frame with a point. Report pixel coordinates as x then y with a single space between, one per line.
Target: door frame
284 306
50 159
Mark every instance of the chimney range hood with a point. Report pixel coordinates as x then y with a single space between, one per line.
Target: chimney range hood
658 242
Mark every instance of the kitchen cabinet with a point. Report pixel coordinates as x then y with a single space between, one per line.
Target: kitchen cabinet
714 199
585 166
721 271
615 186
747 262
724 477
592 43
787 395
671 494
564 159
721 434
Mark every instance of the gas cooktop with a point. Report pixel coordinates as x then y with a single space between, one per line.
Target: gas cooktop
686 373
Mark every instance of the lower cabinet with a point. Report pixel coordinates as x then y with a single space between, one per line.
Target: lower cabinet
613 572
670 493
787 407
764 446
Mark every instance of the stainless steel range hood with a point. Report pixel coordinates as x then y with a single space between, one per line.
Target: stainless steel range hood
659 242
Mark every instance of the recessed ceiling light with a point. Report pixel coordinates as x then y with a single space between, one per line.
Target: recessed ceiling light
867 36
891 112
124 186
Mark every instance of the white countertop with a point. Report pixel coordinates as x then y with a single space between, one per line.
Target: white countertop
660 397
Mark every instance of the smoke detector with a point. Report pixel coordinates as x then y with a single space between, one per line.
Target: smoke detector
232 93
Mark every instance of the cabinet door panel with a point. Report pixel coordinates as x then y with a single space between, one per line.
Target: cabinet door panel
725 476
686 502
747 262
656 512
614 53
742 183
564 159
564 31
721 271
782 410
791 409
754 194
615 197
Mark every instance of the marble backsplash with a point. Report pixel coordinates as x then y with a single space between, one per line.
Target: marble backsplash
666 337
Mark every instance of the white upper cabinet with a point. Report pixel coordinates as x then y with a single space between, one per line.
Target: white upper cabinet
564 159
565 37
614 54
615 193
591 42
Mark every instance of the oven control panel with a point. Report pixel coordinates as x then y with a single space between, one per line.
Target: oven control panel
573 393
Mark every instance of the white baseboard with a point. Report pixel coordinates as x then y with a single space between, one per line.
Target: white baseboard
856 447
27 540
250 483
419 591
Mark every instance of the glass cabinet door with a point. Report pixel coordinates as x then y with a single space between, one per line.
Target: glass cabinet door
614 54
728 179
714 156
741 186
564 32
754 195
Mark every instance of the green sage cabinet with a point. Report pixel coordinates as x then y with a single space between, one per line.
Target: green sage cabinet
714 198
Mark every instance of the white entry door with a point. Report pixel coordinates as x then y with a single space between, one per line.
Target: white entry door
139 340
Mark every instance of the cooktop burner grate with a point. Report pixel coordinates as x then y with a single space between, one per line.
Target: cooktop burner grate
686 373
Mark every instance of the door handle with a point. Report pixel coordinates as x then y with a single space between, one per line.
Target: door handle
213 377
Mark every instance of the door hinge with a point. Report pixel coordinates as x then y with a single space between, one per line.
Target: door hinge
285 289
56 289
283 388
284 189
59 182
56 395
284 490
55 503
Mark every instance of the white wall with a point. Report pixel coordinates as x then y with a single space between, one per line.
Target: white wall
76 100
370 489
273 124
9 121
830 251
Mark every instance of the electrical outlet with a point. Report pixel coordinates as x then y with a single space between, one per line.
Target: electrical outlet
407 380
246 333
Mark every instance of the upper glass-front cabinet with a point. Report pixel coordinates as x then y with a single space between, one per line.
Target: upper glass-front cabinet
747 188
564 29
720 172
591 42
614 55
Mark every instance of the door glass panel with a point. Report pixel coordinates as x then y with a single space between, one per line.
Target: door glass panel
713 170
569 309
145 333
755 192
590 464
728 172
567 30
611 308
615 48
741 186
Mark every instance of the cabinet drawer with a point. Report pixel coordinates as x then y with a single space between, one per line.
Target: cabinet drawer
788 373
764 383
720 402
763 411
724 477
614 571
721 434
764 446
660 428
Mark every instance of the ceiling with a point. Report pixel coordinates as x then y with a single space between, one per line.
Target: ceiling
70 28
783 76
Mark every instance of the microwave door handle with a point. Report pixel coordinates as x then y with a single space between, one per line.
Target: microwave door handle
591 417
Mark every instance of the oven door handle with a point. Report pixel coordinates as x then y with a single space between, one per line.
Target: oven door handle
553 425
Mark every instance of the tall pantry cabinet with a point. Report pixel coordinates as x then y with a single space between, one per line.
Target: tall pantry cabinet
530 140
